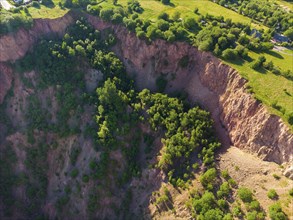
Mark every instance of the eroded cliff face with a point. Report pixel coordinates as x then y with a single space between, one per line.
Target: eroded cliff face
240 119
15 45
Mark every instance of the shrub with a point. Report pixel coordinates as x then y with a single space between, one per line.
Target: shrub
165 2
61 202
276 106
48 2
205 203
222 204
230 54
85 178
183 62
208 178
290 118
94 10
254 215
225 174
216 214
291 192
161 83
134 6
74 173
163 16
224 190
162 25
254 205
237 211
269 65
206 45
74 155
258 63
245 194
117 18
232 182
190 23
11 22
277 177
251 215
272 194
289 33
170 36
36 4
106 14
176 16
276 212
242 51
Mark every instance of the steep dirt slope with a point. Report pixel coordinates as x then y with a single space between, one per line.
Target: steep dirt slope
258 176
239 118
14 46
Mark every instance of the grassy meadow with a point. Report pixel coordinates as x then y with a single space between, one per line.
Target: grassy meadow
48 12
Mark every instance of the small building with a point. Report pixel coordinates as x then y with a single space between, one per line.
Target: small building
280 38
255 33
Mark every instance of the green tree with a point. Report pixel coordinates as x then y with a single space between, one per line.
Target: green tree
176 16
165 2
106 14
258 63
276 212
230 54
245 194
272 194
190 23
209 177
289 33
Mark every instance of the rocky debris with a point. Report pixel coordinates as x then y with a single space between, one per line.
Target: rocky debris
6 77
289 172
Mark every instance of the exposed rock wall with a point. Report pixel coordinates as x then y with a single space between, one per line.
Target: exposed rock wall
240 119
15 45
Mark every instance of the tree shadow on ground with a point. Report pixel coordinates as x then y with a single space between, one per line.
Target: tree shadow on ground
170 4
275 54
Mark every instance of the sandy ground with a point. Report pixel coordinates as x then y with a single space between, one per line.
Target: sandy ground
250 171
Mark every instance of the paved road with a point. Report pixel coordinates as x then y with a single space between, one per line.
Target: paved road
6 5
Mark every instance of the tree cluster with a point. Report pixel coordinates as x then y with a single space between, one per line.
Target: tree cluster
270 14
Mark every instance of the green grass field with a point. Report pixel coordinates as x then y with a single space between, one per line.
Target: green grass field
285 4
47 12
185 7
267 87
